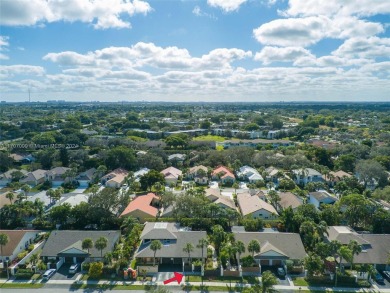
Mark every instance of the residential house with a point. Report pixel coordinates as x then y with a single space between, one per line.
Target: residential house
73 199
249 174
141 172
321 197
19 240
22 159
7 177
56 176
224 175
177 159
173 239
275 247
288 199
200 177
115 178
217 198
375 247
65 246
304 176
273 175
85 178
333 177
252 205
143 207
34 178
171 175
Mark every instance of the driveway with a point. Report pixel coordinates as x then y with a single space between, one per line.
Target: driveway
63 273
79 190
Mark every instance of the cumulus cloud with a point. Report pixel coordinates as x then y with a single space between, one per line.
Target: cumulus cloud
148 54
337 7
226 5
372 47
101 13
12 70
198 12
310 30
286 54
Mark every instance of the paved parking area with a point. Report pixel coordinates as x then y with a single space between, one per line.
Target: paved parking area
386 285
63 273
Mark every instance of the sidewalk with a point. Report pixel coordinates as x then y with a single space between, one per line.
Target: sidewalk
211 284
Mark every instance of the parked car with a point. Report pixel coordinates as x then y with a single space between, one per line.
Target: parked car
386 274
73 268
281 272
378 278
48 274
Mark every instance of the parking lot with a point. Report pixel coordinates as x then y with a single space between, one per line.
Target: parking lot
63 273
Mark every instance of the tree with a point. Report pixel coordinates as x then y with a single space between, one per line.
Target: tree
254 247
314 264
274 197
370 171
60 214
87 244
345 253
307 231
240 248
121 157
64 157
10 196
4 239
100 244
355 249
50 193
218 236
188 248
235 186
154 246
268 280
203 243
151 178
95 270
357 209
178 140
26 189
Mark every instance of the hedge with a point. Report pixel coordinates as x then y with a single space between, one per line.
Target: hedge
24 274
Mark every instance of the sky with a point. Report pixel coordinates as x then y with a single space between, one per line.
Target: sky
195 51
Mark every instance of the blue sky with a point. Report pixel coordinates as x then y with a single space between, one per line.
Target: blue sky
188 50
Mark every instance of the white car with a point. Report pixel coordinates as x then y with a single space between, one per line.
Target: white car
73 268
48 274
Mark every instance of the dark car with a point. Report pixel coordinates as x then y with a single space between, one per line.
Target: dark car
281 272
386 274
48 274
378 278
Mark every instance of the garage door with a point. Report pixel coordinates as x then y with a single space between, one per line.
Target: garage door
264 262
277 262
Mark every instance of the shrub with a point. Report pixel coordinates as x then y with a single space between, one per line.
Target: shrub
85 266
95 270
22 255
30 247
108 270
247 261
24 274
41 266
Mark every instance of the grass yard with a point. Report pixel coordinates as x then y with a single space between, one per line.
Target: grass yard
21 285
216 138
233 280
299 281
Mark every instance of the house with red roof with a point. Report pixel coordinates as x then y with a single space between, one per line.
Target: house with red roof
142 207
223 174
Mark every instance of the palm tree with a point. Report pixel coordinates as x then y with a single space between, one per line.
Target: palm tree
188 248
240 248
203 242
268 280
322 228
235 186
4 239
10 196
155 245
355 248
345 253
100 244
87 244
34 259
26 189
50 193
254 247
274 198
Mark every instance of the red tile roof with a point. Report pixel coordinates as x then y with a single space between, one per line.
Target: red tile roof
224 170
142 203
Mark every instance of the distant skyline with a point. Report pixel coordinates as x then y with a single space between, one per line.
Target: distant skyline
189 50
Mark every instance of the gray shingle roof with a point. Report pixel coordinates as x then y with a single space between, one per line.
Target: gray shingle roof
289 244
344 235
63 239
377 252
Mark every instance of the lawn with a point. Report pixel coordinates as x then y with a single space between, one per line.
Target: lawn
216 138
216 279
299 281
109 287
21 285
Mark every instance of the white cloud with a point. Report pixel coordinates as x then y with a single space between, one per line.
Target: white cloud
226 5
148 54
101 13
198 12
276 54
294 31
4 44
337 7
12 70
372 47
310 30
